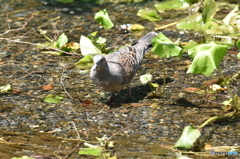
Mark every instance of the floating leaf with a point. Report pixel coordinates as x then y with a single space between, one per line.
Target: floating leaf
227 102
52 52
69 47
206 58
85 63
90 151
149 14
54 98
87 47
164 47
102 18
62 40
188 137
6 88
191 22
174 4
136 27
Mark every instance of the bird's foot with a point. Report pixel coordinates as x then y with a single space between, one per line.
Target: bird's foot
112 97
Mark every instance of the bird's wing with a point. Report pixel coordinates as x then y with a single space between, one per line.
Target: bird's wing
127 60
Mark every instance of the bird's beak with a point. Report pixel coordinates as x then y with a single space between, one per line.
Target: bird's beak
95 67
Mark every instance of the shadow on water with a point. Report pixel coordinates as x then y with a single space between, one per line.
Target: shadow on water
184 102
137 93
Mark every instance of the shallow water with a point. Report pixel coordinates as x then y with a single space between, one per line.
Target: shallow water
145 127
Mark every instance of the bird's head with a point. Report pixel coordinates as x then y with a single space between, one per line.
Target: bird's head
99 62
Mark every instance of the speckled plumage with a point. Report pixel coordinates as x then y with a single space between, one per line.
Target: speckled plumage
115 71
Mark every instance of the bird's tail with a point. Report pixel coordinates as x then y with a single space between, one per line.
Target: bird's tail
144 44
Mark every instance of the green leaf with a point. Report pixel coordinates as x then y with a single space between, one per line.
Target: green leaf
174 4
155 85
164 47
189 45
6 88
149 14
62 40
23 157
227 102
188 137
87 47
102 18
52 52
101 40
206 58
238 55
65 1
54 98
136 27
238 44
93 33
191 22
209 10
85 63
90 151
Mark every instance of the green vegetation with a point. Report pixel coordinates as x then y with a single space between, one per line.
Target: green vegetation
99 150
102 18
206 58
53 98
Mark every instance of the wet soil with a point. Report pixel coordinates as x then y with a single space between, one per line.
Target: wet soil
144 127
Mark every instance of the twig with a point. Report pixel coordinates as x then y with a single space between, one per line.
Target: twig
46 47
11 30
6 17
74 125
64 88
164 77
56 32
23 42
76 147
120 131
19 79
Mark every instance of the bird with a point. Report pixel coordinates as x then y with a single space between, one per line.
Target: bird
115 71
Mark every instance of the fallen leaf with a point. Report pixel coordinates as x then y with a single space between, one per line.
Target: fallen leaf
191 89
86 103
207 147
47 87
135 104
216 87
1 63
17 91
212 81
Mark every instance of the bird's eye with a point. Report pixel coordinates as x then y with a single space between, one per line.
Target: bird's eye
101 60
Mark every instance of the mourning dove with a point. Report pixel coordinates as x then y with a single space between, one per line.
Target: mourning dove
115 71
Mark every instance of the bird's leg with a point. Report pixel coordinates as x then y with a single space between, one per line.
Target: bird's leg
129 92
112 97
